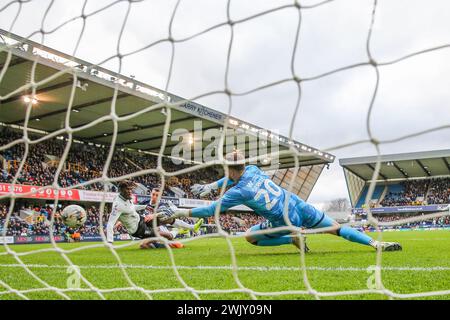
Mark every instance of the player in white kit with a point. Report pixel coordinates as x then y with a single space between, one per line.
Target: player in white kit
138 225
176 227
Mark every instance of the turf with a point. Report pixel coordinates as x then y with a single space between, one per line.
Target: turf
334 265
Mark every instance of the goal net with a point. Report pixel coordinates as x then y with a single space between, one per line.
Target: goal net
286 65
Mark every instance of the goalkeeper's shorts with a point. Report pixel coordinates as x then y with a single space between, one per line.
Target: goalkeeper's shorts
313 218
144 230
304 215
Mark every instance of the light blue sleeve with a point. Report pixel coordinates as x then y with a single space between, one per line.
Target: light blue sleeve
230 182
220 182
231 198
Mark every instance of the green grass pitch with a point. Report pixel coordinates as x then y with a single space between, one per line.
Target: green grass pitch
333 265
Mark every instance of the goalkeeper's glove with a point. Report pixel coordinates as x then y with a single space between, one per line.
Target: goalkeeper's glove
171 212
203 189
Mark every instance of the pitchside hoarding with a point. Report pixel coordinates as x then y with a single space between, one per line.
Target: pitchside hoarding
7 240
35 192
428 208
46 239
36 239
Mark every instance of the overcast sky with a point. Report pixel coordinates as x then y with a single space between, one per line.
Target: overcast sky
413 94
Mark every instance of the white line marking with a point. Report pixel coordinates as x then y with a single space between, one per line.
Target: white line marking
242 268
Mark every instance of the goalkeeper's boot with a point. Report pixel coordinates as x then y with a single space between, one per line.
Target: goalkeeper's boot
296 242
198 224
389 246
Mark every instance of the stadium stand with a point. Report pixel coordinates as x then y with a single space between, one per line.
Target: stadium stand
404 179
138 138
85 162
439 191
407 193
38 225
408 185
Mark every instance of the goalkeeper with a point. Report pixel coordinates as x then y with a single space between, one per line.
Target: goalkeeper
252 187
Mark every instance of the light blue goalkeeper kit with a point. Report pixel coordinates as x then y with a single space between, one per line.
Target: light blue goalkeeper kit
258 192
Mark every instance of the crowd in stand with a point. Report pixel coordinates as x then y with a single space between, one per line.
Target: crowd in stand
37 225
423 222
439 191
413 190
419 192
85 162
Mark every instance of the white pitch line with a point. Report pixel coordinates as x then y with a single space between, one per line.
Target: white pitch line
242 268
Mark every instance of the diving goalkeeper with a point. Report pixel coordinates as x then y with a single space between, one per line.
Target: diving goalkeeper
250 186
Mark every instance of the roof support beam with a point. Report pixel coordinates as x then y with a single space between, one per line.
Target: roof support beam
379 172
399 169
283 165
356 174
447 164
315 181
39 91
155 125
78 107
174 144
160 137
14 63
306 178
423 168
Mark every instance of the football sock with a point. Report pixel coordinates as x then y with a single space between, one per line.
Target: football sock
275 241
355 235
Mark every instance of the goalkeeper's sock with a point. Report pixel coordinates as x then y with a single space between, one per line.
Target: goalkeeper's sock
275 241
355 235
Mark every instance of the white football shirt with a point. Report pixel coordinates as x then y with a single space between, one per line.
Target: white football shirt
124 211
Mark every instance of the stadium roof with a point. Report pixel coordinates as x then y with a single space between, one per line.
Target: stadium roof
401 166
93 97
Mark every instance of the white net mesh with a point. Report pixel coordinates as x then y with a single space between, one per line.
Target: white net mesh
17 13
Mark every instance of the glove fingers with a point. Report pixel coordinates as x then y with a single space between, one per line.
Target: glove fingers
196 189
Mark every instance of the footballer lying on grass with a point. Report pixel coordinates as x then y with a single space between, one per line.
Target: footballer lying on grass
141 226
177 227
253 188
